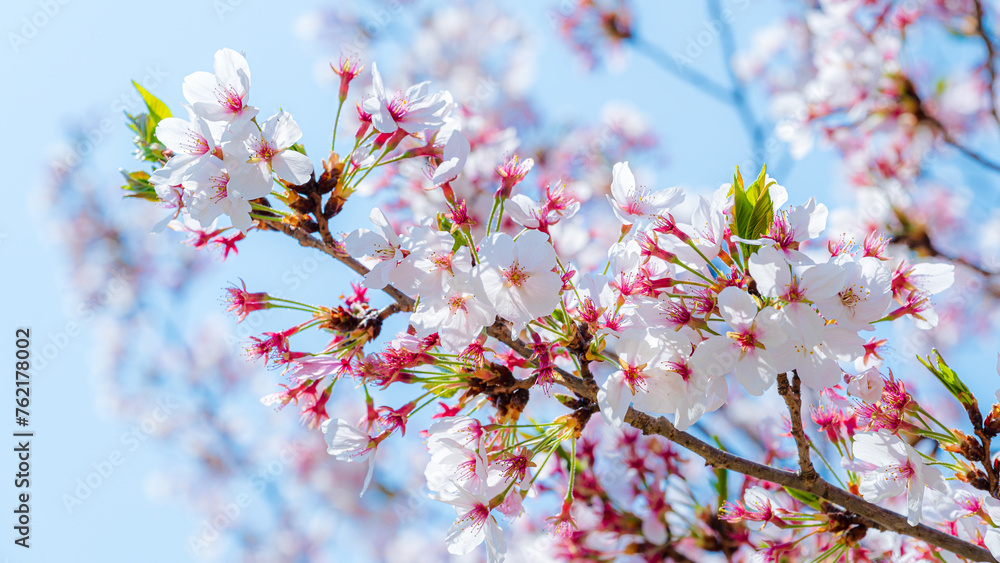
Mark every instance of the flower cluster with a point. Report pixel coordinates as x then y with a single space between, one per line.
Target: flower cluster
221 158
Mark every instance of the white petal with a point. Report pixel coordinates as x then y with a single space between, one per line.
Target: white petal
755 372
737 307
231 69
932 278
716 356
614 399
992 541
286 131
462 537
292 166
368 477
199 87
535 252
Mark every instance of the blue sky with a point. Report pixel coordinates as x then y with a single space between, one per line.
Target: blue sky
73 69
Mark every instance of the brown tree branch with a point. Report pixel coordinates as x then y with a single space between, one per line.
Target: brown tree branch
881 518
792 394
404 301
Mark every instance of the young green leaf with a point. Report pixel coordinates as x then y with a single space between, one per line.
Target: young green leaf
752 210
805 498
157 109
138 184
950 380
763 212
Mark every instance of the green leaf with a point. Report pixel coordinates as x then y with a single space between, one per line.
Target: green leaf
742 209
157 109
138 184
752 210
949 379
148 148
805 498
558 316
721 477
566 400
763 212
139 124
446 394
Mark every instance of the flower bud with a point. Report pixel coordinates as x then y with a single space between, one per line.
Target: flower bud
992 425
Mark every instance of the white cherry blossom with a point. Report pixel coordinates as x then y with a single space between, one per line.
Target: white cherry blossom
475 524
385 247
192 142
744 351
453 156
222 96
457 316
516 277
412 111
863 296
867 386
268 151
212 196
431 263
631 203
349 443
894 467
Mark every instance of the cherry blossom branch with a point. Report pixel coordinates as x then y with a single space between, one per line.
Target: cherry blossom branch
389 310
498 330
404 301
880 518
792 394
501 331
875 516
987 461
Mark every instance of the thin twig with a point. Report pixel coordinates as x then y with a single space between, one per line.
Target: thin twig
951 140
991 58
920 242
792 394
305 239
